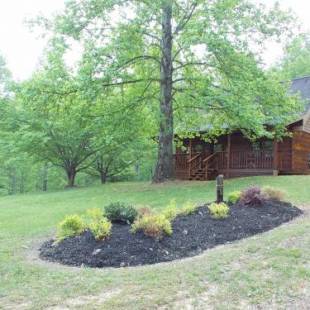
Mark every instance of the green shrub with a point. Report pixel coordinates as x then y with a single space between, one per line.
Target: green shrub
72 225
188 208
120 213
219 210
273 193
234 197
155 226
100 228
171 211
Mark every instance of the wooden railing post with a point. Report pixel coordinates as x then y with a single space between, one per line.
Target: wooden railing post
228 155
275 158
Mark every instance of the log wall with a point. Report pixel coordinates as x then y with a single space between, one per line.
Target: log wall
301 152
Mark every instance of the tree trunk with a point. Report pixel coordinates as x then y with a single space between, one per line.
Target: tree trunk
44 177
103 177
164 168
71 173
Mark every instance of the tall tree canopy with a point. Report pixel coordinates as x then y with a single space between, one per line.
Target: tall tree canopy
197 58
296 59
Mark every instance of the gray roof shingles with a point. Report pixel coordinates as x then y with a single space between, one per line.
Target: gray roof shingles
302 87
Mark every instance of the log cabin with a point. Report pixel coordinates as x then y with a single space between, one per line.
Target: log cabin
233 155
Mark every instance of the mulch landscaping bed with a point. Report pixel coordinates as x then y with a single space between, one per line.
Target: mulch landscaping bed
191 235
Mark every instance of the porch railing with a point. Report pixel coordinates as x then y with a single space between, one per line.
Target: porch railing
251 160
180 161
219 161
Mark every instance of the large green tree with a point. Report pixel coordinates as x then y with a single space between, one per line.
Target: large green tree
196 58
56 121
296 59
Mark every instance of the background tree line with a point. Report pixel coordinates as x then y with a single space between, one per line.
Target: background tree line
159 69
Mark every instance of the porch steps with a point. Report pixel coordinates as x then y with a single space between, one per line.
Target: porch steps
200 174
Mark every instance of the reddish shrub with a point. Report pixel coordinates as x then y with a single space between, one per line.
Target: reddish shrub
252 196
144 211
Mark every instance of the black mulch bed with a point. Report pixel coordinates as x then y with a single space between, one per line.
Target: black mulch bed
191 235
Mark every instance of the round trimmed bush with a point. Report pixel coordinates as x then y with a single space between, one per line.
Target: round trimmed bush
118 212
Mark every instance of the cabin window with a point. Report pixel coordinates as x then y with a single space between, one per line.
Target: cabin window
268 145
263 146
256 146
198 148
218 148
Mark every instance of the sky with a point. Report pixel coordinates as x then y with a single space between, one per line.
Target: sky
22 48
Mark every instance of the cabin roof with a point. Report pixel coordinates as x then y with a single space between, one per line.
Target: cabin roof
301 86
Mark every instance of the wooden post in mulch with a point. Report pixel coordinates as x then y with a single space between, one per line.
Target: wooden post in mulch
219 188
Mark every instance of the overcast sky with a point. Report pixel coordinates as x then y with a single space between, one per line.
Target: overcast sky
22 49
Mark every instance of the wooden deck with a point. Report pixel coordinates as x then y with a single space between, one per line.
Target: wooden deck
199 167
234 155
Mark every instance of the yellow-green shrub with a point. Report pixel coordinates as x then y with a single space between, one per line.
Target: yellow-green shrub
72 225
154 225
100 228
234 197
94 213
171 210
188 208
273 193
219 210
97 223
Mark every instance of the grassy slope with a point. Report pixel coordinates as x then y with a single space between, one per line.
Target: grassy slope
266 270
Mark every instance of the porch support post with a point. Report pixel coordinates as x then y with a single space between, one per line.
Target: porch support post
275 158
190 157
228 155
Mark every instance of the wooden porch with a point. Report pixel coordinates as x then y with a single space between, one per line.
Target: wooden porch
237 158
238 163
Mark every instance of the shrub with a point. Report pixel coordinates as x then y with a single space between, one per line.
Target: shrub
171 211
120 213
72 225
219 210
252 196
234 197
273 193
154 226
144 211
188 208
100 228
94 213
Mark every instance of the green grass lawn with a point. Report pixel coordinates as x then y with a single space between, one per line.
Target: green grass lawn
271 270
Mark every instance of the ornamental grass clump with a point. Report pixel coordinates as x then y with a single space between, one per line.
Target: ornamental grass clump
234 197
71 226
154 225
118 212
219 210
253 197
272 193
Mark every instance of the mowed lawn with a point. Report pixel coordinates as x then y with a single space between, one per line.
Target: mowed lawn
267 271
